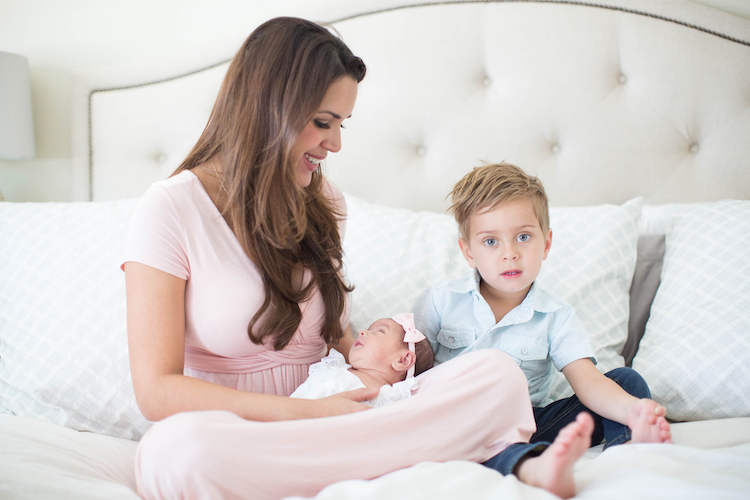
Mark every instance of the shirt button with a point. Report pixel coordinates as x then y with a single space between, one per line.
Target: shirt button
524 351
451 339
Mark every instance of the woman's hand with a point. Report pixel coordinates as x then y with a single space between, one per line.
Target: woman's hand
343 402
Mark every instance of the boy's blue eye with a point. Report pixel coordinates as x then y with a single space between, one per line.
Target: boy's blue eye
321 124
490 242
523 237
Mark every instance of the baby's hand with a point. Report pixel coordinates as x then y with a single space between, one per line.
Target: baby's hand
647 422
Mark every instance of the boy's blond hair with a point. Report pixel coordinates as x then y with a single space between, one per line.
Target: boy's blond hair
488 186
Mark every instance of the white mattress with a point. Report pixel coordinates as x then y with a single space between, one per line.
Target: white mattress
710 460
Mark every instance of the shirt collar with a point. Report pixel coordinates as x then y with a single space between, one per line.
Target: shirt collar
465 285
536 299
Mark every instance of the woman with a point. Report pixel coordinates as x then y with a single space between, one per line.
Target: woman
234 288
195 300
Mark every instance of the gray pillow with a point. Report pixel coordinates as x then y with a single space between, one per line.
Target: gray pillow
646 279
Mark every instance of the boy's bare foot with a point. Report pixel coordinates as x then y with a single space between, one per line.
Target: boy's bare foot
647 423
553 469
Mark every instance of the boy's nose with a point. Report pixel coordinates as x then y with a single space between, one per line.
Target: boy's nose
510 254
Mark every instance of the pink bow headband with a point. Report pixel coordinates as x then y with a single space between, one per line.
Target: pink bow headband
411 335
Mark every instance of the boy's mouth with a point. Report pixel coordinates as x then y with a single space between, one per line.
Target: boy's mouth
512 273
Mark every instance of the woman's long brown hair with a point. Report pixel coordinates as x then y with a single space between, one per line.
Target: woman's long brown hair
272 89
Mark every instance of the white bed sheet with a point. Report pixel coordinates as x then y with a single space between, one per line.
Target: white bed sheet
41 460
711 459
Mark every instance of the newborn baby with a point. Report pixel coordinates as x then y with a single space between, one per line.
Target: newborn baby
387 356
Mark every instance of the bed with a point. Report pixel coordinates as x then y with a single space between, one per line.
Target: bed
636 116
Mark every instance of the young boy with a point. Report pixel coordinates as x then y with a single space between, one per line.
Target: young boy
503 220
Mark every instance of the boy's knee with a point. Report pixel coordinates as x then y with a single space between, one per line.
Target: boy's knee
631 381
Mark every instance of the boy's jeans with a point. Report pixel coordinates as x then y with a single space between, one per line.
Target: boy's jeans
553 417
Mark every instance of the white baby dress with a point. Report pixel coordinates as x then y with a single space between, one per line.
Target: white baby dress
331 375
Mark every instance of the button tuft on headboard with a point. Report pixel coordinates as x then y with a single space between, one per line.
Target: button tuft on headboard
694 148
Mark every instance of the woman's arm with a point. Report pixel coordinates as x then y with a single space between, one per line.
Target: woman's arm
156 340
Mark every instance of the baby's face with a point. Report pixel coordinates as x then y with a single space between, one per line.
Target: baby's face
378 346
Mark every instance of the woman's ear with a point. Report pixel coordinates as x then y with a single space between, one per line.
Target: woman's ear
405 361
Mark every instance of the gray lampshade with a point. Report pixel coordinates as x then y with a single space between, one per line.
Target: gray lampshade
16 122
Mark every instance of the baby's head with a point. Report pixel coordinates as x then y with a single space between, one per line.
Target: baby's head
503 220
385 346
490 186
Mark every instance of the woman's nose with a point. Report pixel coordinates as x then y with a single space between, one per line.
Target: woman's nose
333 141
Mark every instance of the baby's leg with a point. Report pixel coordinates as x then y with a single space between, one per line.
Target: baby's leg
553 469
647 423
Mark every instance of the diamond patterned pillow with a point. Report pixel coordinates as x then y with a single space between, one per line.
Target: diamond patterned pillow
392 255
591 265
63 342
695 354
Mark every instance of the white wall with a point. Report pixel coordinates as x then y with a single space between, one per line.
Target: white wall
66 38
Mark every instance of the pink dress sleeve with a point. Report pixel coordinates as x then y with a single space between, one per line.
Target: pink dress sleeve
156 236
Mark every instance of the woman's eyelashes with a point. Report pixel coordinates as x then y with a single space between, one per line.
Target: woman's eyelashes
324 125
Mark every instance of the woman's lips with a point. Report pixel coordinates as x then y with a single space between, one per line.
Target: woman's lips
312 161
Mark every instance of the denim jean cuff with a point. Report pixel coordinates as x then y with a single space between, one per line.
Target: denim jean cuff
505 462
626 436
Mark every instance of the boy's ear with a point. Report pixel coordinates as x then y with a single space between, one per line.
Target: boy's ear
466 251
547 243
405 361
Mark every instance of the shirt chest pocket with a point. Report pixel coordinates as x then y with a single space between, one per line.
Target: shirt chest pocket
456 336
531 355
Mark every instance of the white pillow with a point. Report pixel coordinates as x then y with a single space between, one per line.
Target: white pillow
591 265
63 342
695 354
392 255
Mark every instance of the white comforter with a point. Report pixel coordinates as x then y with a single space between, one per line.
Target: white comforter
710 460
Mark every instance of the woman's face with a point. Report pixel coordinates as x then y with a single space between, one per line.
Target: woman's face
323 134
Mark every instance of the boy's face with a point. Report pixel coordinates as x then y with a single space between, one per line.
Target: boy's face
506 245
378 346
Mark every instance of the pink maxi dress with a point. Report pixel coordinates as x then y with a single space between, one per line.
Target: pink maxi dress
468 409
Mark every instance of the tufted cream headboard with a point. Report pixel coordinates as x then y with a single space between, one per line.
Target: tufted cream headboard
604 101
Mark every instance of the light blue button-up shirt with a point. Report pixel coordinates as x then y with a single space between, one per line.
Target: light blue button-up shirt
542 330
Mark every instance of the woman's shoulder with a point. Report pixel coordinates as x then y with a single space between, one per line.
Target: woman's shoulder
183 181
179 192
